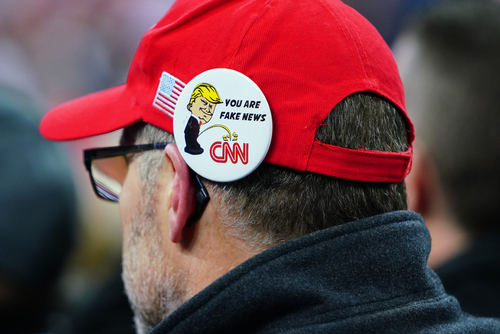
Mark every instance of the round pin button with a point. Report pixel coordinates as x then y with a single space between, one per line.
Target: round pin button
222 125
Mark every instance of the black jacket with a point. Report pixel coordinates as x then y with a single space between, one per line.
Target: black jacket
474 277
367 276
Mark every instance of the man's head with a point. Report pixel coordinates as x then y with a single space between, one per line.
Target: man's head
340 150
449 64
270 206
203 101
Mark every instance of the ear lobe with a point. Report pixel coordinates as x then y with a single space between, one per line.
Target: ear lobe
182 196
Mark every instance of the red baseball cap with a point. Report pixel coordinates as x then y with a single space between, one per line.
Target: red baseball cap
306 56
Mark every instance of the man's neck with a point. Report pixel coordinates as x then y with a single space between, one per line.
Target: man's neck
209 250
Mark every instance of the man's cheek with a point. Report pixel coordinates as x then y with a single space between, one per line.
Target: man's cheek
125 217
129 198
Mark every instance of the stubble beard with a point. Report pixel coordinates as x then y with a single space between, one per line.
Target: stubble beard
153 292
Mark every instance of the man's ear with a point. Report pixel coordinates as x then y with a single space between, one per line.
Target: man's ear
182 195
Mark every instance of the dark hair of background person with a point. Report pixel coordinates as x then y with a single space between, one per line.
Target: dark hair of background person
460 47
453 97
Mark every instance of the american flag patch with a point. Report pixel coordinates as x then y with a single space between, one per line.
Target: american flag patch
167 94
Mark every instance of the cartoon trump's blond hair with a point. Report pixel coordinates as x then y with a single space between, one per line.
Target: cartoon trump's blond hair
207 91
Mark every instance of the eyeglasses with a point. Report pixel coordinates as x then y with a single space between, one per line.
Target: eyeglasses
108 167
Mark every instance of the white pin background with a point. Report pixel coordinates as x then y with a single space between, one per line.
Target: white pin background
230 85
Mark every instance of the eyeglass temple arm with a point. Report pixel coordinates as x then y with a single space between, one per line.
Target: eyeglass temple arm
201 197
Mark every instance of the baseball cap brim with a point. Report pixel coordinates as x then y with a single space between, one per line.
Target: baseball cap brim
94 114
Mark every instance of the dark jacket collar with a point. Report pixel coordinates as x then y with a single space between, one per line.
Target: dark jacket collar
338 278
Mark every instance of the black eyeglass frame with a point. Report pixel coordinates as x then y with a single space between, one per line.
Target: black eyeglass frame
201 193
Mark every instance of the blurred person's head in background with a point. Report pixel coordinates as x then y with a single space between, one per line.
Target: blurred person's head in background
449 62
37 218
75 47
53 50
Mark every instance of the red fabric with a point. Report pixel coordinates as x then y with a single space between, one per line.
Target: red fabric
306 56
90 115
360 165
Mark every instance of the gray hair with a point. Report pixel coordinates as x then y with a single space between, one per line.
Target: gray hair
275 204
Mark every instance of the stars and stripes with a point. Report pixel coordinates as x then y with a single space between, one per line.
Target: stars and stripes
168 93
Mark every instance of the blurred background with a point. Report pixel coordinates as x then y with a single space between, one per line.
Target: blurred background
51 223
52 51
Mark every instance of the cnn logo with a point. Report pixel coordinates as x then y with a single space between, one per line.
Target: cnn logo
221 151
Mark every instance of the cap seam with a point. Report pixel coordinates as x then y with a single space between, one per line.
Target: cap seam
362 52
310 147
243 38
355 41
